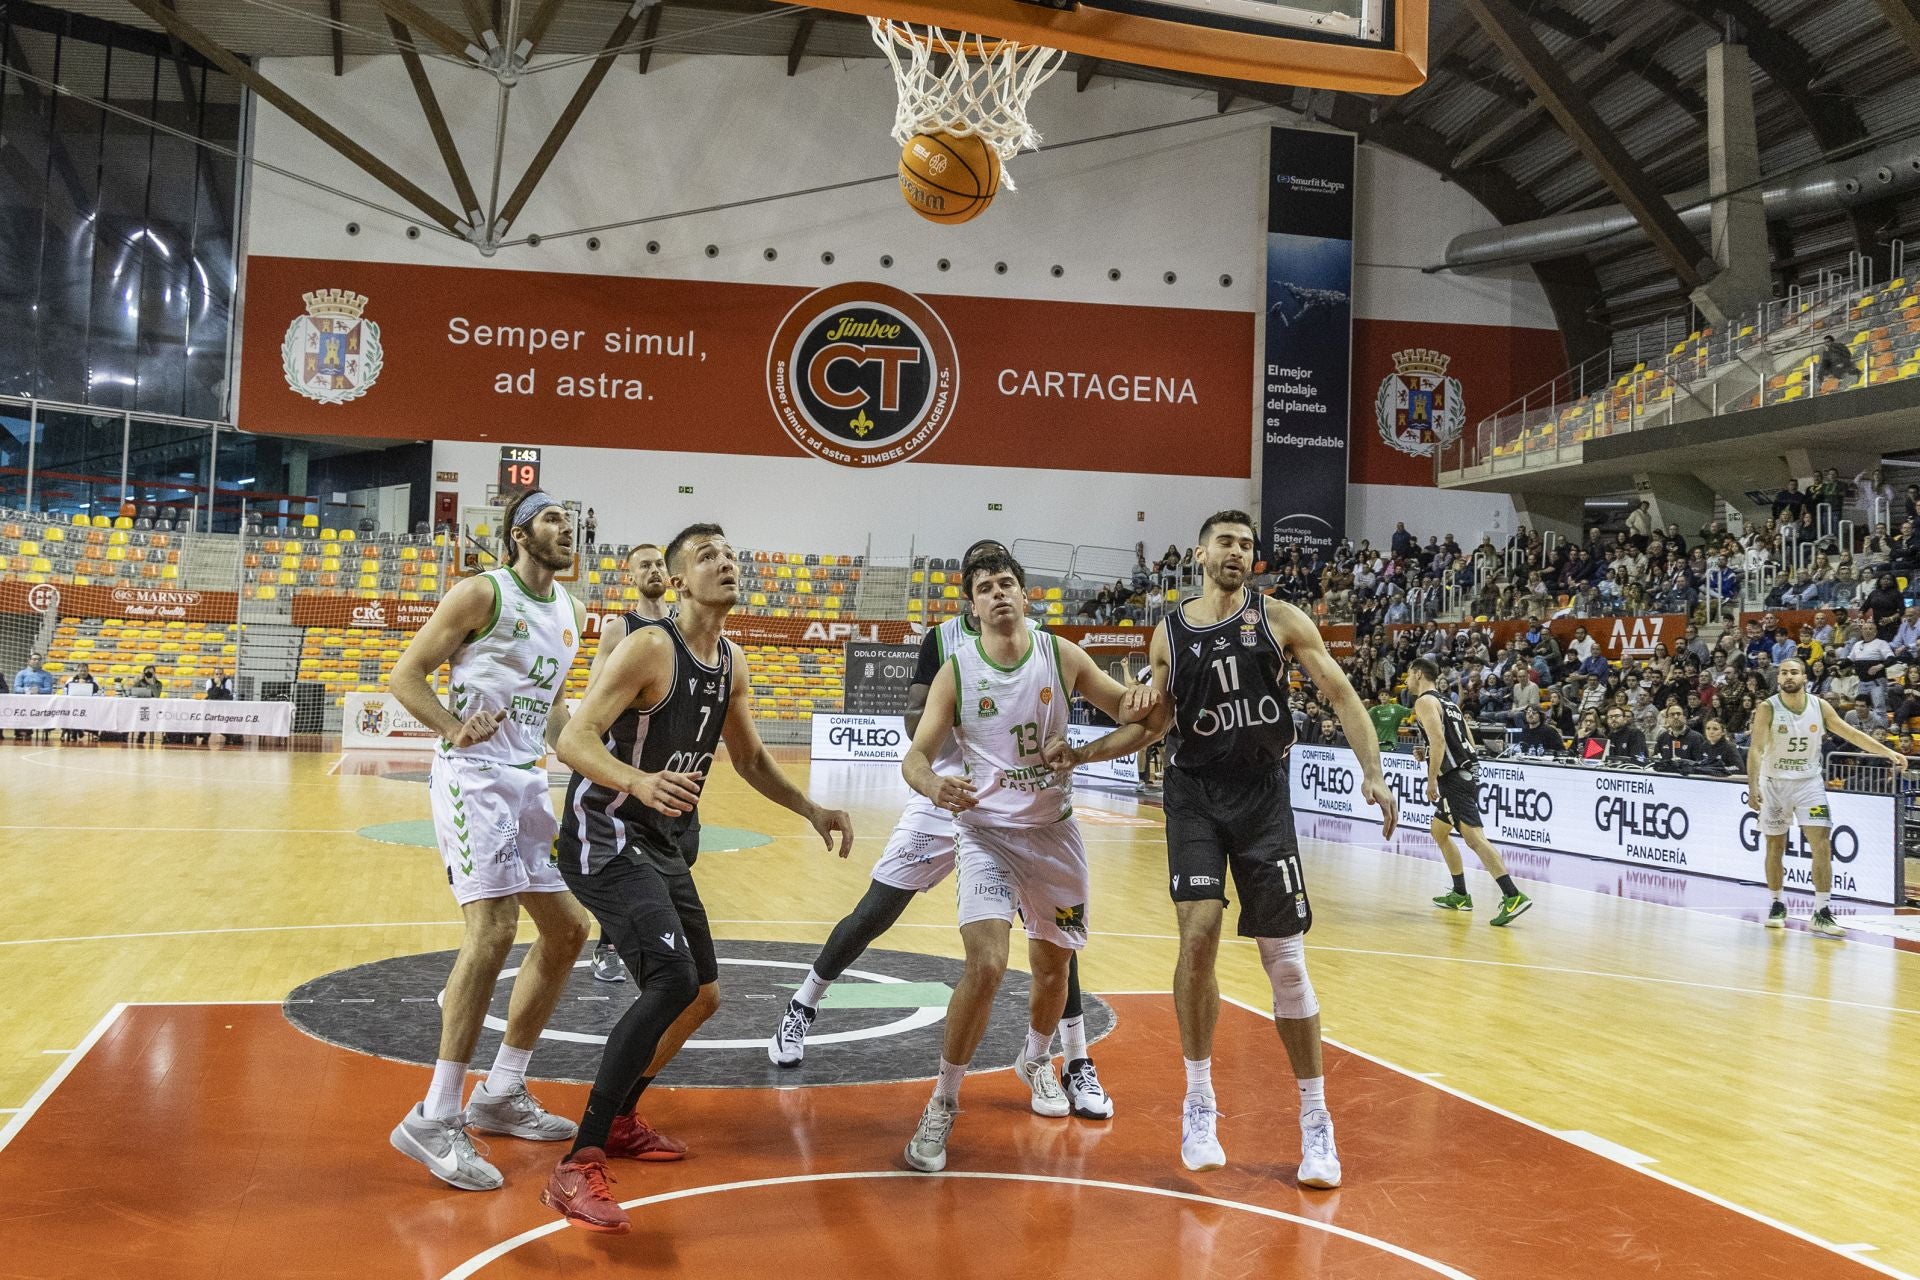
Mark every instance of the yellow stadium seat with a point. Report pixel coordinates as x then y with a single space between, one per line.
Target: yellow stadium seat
123 522
103 522
309 522
55 533
329 535
79 522
348 535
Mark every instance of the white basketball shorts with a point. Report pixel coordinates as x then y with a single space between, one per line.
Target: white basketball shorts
1786 801
495 827
915 860
1041 871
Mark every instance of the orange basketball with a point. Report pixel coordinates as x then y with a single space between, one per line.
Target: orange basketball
946 178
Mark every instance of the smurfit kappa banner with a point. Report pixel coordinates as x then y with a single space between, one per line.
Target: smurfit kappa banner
1309 355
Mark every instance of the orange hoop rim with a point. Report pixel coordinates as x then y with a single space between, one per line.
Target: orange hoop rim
902 33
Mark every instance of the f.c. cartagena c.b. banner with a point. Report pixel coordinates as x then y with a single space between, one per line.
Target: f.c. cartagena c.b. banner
1309 351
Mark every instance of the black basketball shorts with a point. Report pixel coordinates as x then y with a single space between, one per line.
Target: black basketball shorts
1459 805
643 910
1242 824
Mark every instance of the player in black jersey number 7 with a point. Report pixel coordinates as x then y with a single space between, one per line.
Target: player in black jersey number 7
665 700
1220 688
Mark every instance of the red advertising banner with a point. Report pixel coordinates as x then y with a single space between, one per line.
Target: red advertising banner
1415 384
145 604
859 374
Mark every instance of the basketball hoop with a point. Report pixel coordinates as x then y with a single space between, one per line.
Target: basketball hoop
962 84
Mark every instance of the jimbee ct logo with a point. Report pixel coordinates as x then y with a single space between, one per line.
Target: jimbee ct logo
862 375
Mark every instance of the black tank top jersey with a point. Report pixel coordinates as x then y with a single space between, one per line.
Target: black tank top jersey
679 734
1230 695
1457 741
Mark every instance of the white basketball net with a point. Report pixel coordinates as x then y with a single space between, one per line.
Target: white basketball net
953 82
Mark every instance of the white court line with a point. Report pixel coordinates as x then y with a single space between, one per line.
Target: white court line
60 1073
1655 1174
1098 933
32 758
55 1051
1424 956
147 831
481 1260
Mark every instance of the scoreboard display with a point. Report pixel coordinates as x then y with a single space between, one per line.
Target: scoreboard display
519 471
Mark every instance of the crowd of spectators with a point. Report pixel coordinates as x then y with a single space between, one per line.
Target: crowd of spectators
1691 707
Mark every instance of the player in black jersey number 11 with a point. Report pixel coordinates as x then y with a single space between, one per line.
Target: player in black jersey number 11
1220 692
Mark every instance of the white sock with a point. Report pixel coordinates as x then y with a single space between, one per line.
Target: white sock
443 1099
509 1070
811 989
1313 1095
1073 1038
1039 1047
948 1085
1820 900
1199 1075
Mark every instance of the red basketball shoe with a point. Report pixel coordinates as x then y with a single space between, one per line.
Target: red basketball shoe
634 1139
578 1189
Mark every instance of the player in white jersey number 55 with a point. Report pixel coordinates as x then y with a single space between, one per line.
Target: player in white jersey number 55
1003 698
1786 785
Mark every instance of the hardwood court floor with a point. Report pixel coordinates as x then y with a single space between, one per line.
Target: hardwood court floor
1767 1069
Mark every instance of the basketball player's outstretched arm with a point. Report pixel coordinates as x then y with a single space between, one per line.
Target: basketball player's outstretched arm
953 794
757 769
1143 712
462 612
636 674
1866 742
1295 630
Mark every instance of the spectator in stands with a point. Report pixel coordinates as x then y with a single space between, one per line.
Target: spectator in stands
1906 636
1872 495
1720 753
1581 647
1784 647
1523 695
1834 361
1625 742
1537 737
1842 681
592 527
1403 543
1678 746
1789 501
1589 743
1884 604
1091 607
1639 523
1863 716
1871 656
32 678
1738 715
1906 547
1905 700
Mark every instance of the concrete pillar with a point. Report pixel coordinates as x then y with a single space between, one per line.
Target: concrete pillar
1676 499
1739 236
1551 512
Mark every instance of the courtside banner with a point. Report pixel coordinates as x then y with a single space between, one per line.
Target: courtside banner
841 737
1693 826
377 720
1124 770
1309 350
145 715
860 374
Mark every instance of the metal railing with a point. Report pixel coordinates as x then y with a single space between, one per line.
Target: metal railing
1724 371
1872 775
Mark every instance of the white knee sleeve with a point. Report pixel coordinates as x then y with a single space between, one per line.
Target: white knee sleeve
1285 960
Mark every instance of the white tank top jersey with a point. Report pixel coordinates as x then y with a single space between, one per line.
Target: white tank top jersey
1795 750
516 665
921 814
1003 717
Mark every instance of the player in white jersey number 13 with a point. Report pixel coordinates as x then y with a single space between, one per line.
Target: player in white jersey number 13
510 636
1786 785
1004 699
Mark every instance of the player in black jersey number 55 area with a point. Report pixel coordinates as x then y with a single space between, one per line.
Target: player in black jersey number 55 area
665 700
1220 692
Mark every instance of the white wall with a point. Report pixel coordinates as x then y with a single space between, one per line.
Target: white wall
706 130
1373 509
928 508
